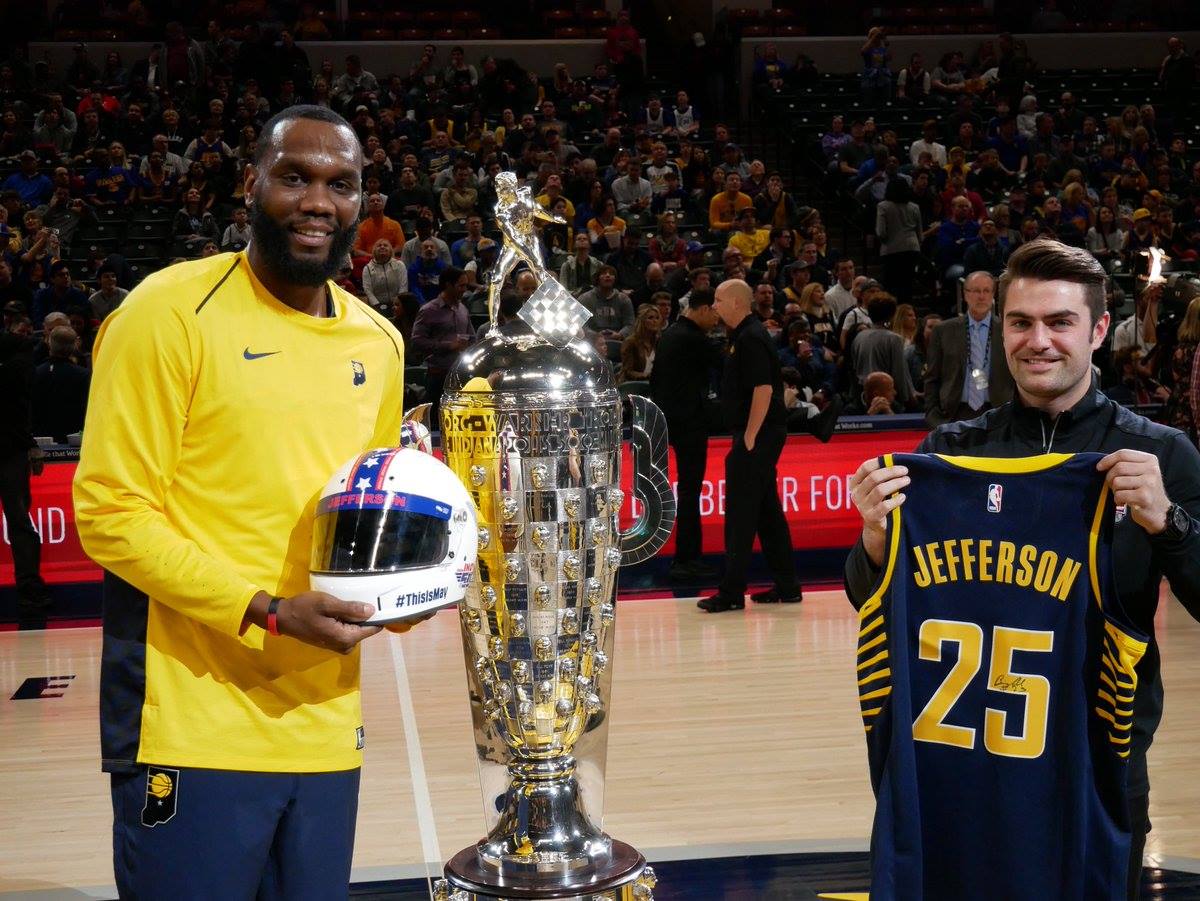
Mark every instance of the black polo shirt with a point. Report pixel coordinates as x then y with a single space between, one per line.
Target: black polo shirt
751 360
683 359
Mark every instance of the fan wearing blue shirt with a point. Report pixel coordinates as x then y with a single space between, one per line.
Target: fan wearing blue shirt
34 187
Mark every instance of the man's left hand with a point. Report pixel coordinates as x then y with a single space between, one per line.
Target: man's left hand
1134 478
399 628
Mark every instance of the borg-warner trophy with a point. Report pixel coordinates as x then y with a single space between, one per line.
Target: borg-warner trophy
531 423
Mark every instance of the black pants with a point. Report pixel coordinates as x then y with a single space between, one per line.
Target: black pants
435 382
899 269
32 597
1139 824
691 454
752 508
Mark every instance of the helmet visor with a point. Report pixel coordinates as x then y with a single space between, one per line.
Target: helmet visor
366 532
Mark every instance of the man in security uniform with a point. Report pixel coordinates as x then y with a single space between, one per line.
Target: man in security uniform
752 400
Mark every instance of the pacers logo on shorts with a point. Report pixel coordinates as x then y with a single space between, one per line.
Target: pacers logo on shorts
162 790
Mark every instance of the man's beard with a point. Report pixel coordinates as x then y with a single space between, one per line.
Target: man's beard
272 240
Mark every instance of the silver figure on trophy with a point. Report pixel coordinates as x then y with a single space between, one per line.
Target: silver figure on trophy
531 423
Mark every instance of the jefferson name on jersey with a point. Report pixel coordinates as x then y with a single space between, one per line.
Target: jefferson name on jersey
987 560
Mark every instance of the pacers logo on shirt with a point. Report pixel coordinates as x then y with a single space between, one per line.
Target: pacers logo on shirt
360 374
162 790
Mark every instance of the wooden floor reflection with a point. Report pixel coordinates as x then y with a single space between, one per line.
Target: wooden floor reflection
731 733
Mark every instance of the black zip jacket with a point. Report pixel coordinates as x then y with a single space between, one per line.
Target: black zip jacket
1140 561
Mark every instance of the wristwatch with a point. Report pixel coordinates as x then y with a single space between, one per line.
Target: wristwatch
1179 524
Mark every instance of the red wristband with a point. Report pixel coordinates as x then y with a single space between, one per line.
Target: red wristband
273 616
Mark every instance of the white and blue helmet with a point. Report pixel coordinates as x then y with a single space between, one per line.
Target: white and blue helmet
394 528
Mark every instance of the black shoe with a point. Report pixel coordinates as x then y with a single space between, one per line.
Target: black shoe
31 623
771 596
719 603
822 425
691 571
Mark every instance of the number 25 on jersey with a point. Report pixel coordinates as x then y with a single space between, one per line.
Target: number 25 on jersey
930 725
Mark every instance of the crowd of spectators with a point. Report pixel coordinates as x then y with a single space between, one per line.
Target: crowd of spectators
120 167
944 172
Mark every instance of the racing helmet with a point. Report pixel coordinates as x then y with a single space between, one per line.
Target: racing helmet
394 528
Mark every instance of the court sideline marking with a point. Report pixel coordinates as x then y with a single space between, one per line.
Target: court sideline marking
426 823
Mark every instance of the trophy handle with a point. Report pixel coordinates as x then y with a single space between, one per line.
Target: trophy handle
651 484
419 413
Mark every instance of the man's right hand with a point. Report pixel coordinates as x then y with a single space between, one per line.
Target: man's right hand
323 621
876 492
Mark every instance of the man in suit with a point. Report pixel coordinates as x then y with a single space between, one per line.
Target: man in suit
968 372
60 389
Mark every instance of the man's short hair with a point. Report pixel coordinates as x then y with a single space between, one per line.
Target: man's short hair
881 308
62 340
510 303
604 270
701 297
449 276
266 139
1048 260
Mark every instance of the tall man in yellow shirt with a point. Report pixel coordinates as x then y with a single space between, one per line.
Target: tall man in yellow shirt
225 392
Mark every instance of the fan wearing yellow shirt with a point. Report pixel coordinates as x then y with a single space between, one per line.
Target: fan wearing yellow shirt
749 238
224 394
551 193
724 207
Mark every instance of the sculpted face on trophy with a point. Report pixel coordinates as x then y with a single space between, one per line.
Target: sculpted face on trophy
532 425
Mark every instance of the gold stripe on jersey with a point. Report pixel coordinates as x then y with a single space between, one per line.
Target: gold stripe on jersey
1007 465
874 669
1118 685
1093 542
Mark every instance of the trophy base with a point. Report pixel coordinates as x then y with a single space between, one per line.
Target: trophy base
625 877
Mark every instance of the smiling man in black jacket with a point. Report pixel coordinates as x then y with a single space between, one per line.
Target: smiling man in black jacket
1053 316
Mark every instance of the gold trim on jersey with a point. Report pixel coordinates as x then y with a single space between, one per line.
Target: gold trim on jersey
1007 465
873 670
1093 541
1118 685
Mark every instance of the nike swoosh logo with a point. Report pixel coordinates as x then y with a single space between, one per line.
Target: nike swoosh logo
249 356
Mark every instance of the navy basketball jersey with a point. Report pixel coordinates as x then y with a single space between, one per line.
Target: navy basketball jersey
996 681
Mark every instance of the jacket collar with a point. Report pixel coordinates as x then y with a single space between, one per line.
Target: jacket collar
1091 408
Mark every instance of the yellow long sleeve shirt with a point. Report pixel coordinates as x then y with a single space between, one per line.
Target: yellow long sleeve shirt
217 413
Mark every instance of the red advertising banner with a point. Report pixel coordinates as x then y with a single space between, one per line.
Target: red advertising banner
813 480
813 485
53 515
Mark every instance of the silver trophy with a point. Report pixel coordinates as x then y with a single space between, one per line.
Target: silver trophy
531 423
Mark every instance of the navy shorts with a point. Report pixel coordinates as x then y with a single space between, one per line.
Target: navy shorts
182 834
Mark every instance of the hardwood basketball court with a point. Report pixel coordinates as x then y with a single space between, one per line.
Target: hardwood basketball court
732 734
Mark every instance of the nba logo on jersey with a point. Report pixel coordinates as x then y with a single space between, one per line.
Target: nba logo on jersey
995 493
